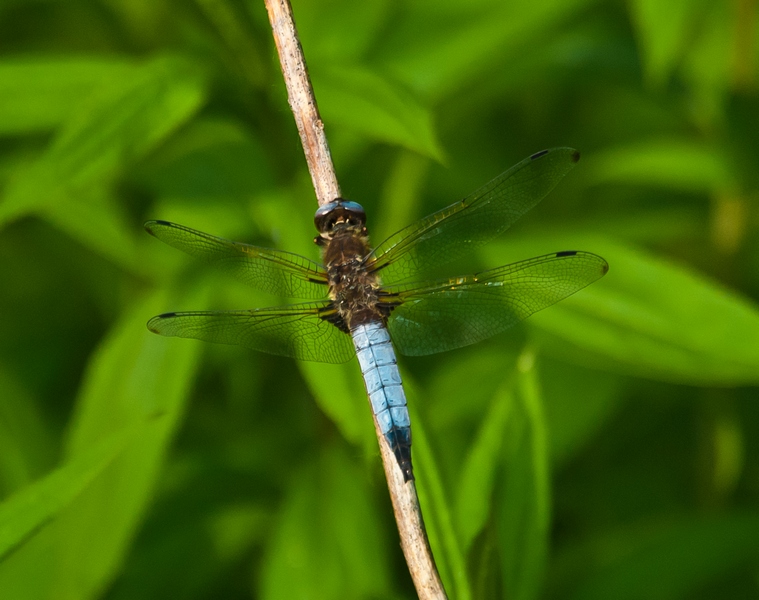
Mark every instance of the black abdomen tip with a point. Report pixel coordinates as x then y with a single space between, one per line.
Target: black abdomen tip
399 440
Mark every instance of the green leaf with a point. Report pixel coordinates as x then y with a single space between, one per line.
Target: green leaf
327 543
689 166
439 49
364 102
115 127
207 160
663 31
38 504
578 403
717 63
196 541
524 512
652 318
436 509
26 444
340 393
334 31
135 380
96 219
474 489
401 195
126 119
670 559
39 93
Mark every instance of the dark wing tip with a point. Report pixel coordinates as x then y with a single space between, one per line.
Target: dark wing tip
150 224
153 323
600 259
574 155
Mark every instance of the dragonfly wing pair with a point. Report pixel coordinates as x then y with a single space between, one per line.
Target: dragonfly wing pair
427 317
301 331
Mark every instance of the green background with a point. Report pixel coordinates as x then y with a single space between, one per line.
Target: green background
605 450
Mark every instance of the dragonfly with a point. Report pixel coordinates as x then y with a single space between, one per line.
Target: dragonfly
365 301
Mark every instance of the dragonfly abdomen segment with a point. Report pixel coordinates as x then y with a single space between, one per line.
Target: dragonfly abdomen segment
382 378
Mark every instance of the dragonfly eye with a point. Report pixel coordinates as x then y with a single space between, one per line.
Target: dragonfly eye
339 211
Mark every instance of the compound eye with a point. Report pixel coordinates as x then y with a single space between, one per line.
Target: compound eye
337 211
324 219
354 212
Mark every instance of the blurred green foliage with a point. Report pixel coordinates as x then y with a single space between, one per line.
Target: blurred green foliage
607 449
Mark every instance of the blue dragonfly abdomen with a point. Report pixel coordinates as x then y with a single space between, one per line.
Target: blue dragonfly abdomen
379 368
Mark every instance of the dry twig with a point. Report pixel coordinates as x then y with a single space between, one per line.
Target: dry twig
408 515
300 94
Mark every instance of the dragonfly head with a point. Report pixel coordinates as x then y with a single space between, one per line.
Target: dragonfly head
340 215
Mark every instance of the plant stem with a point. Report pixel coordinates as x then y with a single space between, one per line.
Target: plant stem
408 515
302 101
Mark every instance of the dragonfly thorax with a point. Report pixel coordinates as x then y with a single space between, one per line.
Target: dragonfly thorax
352 288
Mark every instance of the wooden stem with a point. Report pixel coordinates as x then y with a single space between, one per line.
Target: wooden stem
302 101
408 515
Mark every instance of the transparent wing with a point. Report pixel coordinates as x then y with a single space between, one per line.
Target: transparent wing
273 271
443 315
298 331
454 231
